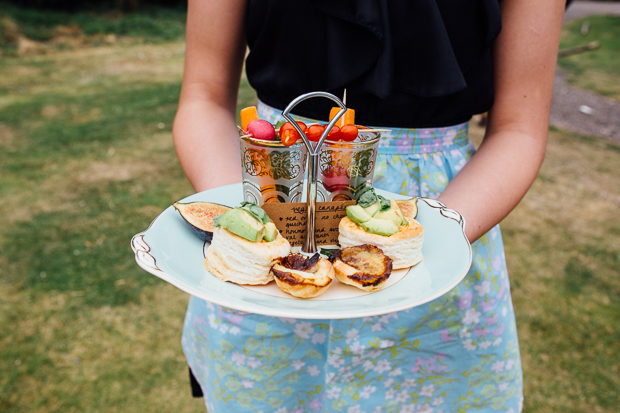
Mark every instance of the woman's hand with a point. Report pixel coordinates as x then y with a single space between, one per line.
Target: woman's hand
504 168
205 132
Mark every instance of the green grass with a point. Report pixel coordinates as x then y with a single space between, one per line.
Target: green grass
563 251
151 25
596 70
86 161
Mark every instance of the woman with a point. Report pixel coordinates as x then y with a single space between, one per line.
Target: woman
422 68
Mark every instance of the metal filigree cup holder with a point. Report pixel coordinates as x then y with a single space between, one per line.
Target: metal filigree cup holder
272 172
334 171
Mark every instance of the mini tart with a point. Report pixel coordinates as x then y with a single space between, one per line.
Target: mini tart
404 247
364 266
303 277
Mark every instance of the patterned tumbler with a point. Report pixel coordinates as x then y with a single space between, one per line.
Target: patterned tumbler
272 172
345 168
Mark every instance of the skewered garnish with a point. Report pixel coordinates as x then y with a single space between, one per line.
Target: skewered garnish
303 277
261 129
248 115
289 135
364 266
314 132
335 134
199 216
349 133
257 128
347 119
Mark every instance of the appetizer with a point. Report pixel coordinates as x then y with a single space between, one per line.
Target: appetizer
303 277
378 221
199 216
365 267
245 245
285 133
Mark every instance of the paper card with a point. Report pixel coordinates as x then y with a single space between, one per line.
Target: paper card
290 219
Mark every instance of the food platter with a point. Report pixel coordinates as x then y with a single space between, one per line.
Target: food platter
169 250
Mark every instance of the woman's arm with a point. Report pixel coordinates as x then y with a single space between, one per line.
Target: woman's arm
503 169
205 132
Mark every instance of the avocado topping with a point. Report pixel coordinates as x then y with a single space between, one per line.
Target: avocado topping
376 214
373 209
380 227
271 232
357 214
248 221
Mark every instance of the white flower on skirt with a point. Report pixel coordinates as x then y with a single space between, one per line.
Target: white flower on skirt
333 392
352 334
367 391
427 390
471 316
304 329
297 364
469 345
238 358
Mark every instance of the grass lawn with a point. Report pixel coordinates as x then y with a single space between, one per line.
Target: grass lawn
86 161
596 70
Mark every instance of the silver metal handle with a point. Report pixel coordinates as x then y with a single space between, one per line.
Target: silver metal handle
313 162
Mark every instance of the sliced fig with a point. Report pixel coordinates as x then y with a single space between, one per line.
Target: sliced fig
409 207
199 216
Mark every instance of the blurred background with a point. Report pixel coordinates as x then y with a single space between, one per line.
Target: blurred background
87 99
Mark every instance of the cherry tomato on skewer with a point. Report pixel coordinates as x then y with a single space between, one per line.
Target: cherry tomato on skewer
289 137
349 133
314 132
334 135
289 126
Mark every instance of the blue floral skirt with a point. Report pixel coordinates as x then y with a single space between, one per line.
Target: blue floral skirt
458 353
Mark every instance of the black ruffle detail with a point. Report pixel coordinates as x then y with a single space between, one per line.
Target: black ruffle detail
403 62
426 46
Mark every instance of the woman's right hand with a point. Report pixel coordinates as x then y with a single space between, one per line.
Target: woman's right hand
205 132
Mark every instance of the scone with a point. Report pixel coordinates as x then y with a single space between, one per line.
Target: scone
303 277
404 247
364 266
235 259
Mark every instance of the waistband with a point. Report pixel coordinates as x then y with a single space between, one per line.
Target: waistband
398 141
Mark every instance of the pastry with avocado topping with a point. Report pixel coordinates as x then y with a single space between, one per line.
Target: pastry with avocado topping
378 221
245 245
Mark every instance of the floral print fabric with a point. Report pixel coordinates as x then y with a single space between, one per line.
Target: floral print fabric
457 353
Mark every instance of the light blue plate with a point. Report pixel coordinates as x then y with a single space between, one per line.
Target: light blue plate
171 251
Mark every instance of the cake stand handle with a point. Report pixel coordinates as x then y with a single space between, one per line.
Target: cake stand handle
312 162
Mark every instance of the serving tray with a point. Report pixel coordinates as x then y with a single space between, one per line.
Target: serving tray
169 250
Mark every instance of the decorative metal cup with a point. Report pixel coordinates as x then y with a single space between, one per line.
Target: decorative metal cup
272 172
345 168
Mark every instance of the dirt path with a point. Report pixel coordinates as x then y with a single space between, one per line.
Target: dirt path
569 103
587 8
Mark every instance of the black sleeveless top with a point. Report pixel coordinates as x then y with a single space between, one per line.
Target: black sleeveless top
404 63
